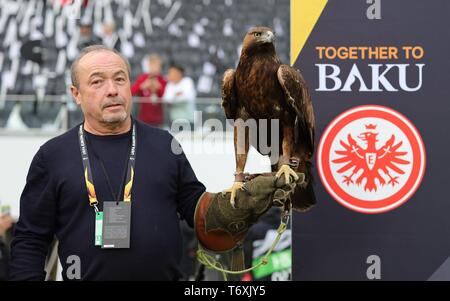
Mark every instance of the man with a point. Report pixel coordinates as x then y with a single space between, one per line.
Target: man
87 37
110 37
180 93
150 86
112 191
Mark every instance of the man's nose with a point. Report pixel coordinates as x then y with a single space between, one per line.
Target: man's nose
112 89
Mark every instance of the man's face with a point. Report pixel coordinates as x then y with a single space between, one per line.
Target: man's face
155 66
174 75
85 31
104 92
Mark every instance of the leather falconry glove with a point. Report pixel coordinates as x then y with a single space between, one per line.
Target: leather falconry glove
220 227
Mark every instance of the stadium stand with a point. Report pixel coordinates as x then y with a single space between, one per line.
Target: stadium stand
39 40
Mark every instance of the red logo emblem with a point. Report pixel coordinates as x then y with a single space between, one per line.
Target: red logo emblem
371 159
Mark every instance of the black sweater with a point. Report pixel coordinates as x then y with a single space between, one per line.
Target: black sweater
55 202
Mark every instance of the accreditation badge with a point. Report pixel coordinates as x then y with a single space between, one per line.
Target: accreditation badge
98 228
116 225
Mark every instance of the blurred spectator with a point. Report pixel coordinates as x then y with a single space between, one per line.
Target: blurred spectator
6 223
110 37
151 87
180 93
87 37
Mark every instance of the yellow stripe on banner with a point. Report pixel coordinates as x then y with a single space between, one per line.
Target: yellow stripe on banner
304 16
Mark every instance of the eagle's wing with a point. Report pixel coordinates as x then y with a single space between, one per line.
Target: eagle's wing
229 100
298 98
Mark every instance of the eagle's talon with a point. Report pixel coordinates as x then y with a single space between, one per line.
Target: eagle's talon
288 172
233 189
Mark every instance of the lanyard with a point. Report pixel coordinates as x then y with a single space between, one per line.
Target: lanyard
115 196
88 172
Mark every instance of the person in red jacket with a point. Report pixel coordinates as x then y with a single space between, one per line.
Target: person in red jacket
150 86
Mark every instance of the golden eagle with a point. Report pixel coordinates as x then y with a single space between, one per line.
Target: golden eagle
262 87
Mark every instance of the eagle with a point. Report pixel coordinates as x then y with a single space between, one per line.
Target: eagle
261 87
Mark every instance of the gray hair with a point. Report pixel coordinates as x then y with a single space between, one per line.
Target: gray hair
89 49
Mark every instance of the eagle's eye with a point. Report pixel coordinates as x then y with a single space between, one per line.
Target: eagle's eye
256 34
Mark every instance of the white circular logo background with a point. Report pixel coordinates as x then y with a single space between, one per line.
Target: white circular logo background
371 159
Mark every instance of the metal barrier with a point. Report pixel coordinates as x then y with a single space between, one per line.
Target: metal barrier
28 115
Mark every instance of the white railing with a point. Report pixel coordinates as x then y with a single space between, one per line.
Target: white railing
12 123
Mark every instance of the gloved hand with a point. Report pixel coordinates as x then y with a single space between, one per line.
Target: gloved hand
220 227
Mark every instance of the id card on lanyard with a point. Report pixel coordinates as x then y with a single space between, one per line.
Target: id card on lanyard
112 225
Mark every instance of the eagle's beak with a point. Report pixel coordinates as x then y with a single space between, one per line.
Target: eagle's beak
268 37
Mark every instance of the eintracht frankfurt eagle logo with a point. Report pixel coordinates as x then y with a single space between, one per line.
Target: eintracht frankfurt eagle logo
371 159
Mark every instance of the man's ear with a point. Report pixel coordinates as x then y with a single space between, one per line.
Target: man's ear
76 94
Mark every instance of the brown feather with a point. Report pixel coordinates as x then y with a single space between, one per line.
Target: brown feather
297 96
262 88
229 101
